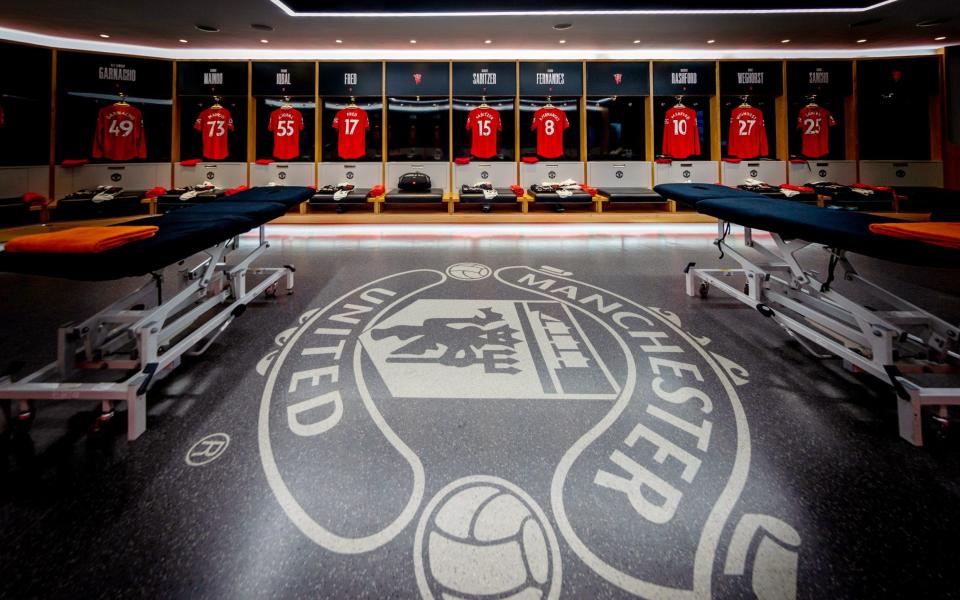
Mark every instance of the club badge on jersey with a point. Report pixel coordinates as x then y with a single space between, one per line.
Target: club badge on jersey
484 123
681 134
286 123
119 134
351 124
214 124
550 122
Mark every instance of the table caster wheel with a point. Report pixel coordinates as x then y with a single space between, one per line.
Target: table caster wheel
704 289
24 421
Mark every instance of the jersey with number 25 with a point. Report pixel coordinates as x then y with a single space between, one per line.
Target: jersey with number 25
484 123
213 125
352 124
814 123
286 123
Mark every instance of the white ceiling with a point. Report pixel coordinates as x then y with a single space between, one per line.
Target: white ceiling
154 28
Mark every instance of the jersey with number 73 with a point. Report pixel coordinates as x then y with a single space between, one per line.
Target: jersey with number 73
213 125
351 124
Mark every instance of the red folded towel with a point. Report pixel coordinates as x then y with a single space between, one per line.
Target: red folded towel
664 161
733 161
530 160
35 199
875 188
74 162
517 191
236 190
155 192
264 161
798 188
377 190
312 187
590 190
81 240
463 160
798 161
938 234
192 162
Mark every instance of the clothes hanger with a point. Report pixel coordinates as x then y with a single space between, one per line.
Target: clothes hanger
122 101
483 102
744 103
216 102
812 100
549 104
286 102
679 103
352 103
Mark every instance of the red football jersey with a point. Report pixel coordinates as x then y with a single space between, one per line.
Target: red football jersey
484 122
748 133
213 124
119 134
814 124
549 122
286 125
352 124
681 134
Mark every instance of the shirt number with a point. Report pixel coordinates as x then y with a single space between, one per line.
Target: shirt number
549 127
746 127
216 129
811 126
121 128
284 128
484 127
679 128
350 125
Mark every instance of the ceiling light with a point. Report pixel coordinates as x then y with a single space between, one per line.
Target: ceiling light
933 22
562 26
636 41
104 36
207 28
264 41
563 41
711 41
940 39
784 41
862 41
261 27
182 41
487 41
338 41
413 41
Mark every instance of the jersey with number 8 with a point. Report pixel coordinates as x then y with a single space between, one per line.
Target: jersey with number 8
351 124
550 122
484 122
213 125
286 123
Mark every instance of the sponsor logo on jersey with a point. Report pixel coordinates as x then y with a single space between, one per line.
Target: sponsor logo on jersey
116 73
684 77
369 401
213 77
283 77
550 78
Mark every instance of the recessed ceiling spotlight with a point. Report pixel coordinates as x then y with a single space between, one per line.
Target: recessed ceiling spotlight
207 28
940 39
562 41
862 41
933 22
487 41
261 27
182 41
562 26
711 41
413 41
264 41
338 41
784 41
636 41
104 36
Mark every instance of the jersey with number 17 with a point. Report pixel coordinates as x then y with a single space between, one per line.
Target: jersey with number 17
352 124
213 125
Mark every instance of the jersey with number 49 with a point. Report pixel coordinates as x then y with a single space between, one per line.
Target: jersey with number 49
119 134
681 134
286 123
352 124
814 124
748 133
213 125
549 122
484 122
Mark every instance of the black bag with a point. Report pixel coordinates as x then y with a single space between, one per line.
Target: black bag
414 182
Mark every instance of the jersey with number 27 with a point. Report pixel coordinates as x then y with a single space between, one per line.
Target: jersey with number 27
748 133
484 123
549 122
352 124
814 124
213 125
286 123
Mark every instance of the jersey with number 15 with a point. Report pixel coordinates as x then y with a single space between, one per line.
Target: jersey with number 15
484 122
286 123
213 125
352 124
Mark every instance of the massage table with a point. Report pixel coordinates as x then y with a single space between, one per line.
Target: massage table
869 327
119 353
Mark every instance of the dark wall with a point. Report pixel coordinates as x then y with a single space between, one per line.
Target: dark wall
25 104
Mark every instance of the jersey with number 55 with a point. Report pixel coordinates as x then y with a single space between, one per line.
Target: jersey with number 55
351 124
119 134
286 123
484 122
213 125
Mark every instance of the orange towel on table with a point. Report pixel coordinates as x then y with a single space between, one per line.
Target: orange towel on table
81 240
939 234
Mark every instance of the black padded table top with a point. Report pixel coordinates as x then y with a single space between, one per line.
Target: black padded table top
356 196
630 194
504 196
692 193
433 195
578 196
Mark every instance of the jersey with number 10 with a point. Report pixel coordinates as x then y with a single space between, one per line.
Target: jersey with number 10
814 123
119 134
748 133
681 134
286 123
484 122
549 122
352 124
213 125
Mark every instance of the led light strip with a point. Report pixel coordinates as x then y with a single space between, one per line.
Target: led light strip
65 43
565 13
